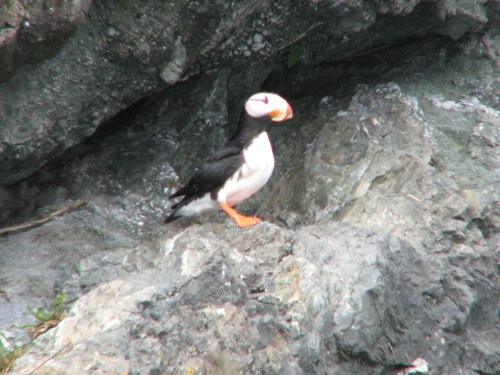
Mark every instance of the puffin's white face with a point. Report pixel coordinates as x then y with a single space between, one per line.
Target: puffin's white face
267 104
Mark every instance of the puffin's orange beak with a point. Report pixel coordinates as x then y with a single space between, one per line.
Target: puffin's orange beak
282 113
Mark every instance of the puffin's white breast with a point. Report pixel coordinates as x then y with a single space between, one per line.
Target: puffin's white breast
256 170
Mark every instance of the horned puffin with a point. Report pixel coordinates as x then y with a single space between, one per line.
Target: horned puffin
238 170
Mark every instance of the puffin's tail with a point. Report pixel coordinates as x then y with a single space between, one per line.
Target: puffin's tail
171 218
176 207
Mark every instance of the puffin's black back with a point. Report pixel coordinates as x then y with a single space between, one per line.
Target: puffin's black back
248 128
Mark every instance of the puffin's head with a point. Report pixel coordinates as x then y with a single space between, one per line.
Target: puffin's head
266 104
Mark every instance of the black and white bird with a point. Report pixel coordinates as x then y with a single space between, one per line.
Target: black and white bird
240 169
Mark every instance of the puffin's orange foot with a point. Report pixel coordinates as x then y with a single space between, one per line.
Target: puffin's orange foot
246 221
242 220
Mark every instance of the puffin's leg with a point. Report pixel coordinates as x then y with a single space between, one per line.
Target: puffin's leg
241 220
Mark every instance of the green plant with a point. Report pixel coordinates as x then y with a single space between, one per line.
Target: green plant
9 353
47 319
295 53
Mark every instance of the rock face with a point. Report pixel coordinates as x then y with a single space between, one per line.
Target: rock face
89 62
380 249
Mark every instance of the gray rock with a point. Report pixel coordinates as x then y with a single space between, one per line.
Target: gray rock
380 246
76 79
174 69
276 301
12 14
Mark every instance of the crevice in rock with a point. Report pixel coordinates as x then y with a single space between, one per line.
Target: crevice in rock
367 67
33 192
484 226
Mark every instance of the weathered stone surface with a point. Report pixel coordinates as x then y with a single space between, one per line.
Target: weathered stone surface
12 14
380 248
128 51
278 301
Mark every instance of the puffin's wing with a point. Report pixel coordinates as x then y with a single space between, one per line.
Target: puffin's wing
214 173
225 153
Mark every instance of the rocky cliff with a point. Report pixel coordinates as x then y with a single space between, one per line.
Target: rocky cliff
380 249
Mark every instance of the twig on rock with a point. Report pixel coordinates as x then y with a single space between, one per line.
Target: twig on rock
51 357
43 220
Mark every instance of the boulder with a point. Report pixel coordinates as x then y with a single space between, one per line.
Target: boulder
379 248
